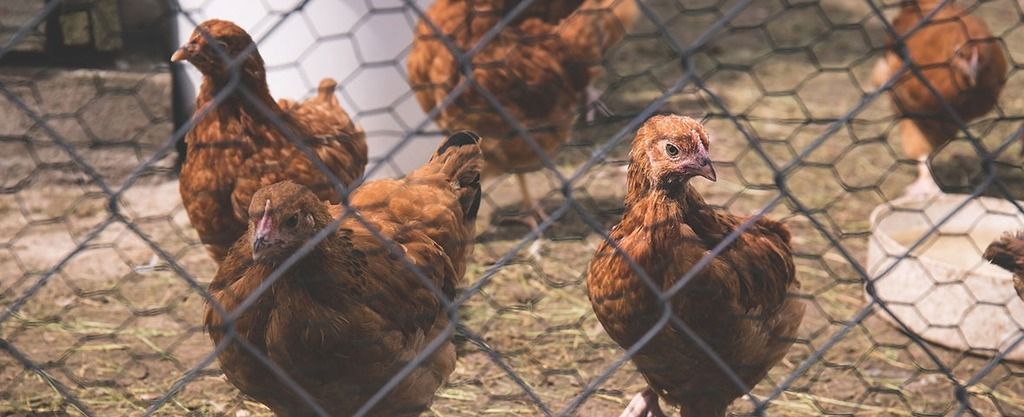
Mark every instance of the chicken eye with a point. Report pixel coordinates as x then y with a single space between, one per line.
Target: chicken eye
292 221
671 150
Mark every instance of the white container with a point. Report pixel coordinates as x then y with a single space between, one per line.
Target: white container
944 291
360 43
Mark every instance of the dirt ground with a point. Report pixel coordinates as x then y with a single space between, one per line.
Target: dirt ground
119 328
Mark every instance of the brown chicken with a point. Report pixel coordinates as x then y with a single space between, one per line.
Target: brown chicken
344 319
1008 253
236 148
958 56
737 304
537 70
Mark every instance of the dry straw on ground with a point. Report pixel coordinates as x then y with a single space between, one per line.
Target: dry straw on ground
119 331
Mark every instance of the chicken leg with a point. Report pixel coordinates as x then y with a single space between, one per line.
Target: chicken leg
882 71
593 106
531 210
644 404
925 185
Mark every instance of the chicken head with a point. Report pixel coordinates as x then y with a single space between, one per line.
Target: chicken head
283 216
671 150
212 46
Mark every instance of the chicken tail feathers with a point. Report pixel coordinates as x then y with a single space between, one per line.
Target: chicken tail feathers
463 138
326 88
597 26
325 94
460 159
1007 252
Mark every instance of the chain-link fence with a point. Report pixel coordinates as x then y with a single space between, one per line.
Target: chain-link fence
104 282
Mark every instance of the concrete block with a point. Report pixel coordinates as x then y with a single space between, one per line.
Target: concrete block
16 13
114 120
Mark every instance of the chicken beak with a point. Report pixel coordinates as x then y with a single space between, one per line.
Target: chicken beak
180 55
261 236
701 165
708 171
259 244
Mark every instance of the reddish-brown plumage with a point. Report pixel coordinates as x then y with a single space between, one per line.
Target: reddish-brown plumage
236 148
738 304
1008 253
538 69
345 318
949 50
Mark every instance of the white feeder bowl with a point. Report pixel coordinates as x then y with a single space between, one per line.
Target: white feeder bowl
362 48
944 291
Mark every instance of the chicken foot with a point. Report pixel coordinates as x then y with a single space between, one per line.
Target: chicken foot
531 210
644 404
593 105
529 214
925 185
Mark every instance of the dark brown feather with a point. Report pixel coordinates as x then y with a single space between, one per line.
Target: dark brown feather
1007 252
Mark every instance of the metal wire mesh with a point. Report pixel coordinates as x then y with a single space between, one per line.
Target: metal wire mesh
104 280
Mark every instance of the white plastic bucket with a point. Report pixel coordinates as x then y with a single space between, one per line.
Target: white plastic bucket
946 292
